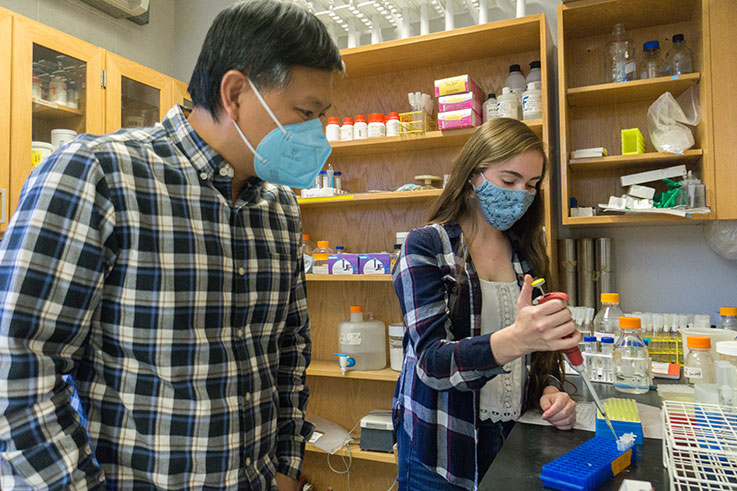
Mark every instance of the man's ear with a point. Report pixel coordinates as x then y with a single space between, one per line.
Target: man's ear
232 86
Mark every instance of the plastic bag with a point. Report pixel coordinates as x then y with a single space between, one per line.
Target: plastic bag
721 235
665 117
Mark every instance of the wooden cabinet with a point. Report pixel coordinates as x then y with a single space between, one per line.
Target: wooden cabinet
135 95
378 79
48 66
6 33
592 112
179 94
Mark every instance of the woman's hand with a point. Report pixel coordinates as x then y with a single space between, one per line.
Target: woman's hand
536 328
558 408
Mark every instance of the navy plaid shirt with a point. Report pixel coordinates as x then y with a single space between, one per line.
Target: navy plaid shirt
447 361
180 316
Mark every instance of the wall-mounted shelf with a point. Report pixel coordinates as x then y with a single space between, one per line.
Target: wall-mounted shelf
424 141
367 278
609 220
357 453
369 198
322 368
636 90
620 161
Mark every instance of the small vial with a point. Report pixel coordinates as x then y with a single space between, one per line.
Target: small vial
332 130
330 173
346 131
337 177
339 249
360 128
607 364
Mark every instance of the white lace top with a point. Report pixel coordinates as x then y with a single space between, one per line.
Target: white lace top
501 397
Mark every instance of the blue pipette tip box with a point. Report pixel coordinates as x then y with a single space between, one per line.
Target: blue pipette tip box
587 466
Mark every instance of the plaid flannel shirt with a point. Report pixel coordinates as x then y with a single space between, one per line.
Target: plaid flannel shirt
180 316
447 361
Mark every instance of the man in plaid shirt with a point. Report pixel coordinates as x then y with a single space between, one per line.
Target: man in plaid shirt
161 269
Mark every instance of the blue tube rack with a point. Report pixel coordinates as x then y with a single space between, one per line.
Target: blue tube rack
587 466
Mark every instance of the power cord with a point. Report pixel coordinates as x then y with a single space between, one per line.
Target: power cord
349 462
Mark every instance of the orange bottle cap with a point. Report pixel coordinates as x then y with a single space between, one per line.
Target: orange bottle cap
356 309
360 118
333 120
629 322
728 311
698 342
347 120
321 257
305 236
610 298
323 243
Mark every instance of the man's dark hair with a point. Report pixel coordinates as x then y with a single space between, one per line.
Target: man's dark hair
263 39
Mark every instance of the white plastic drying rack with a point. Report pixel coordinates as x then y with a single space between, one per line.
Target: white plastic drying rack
700 446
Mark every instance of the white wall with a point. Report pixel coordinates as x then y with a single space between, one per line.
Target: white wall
151 45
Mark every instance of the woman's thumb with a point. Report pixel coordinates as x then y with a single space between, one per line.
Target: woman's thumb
525 294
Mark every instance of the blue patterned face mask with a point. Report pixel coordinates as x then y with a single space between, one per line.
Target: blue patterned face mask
502 207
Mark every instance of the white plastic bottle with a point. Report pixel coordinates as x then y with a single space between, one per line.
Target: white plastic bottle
346 131
363 340
507 104
516 82
360 128
376 126
532 101
392 124
534 75
332 130
58 90
490 108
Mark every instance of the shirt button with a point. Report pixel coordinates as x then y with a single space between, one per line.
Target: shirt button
101 478
203 175
241 271
87 450
248 461
223 171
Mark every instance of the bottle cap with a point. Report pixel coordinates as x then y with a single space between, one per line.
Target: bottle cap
506 90
333 120
397 246
393 116
629 322
727 348
376 118
651 45
348 121
607 340
356 309
339 248
677 38
323 243
514 68
732 311
492 95
321 257
305 236
534 64
337 173
610 298
698 342
589 339
323 172
360 118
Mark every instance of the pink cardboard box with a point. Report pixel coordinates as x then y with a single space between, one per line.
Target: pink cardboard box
456 102
463 118
456 85
374 263
343 264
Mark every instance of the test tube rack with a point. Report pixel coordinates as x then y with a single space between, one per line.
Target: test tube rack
625 418
587 466
666 349
415 122
700 446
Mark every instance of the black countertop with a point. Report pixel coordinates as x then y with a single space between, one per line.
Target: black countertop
519 464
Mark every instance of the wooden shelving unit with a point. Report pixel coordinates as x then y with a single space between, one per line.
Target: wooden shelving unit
357 453
378 79
593 112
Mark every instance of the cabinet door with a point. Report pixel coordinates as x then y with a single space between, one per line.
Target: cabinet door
56 84
135 95
179 94
6 29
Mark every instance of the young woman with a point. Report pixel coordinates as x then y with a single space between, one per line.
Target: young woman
477 351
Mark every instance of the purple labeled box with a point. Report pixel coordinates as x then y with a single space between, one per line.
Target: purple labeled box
343 264
374 263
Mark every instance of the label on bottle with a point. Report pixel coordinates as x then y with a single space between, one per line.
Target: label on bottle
349 338
693 372
629 70
600 335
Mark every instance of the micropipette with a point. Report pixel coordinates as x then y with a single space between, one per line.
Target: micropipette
573 355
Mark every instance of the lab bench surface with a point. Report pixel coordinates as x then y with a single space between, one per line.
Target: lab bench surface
519 463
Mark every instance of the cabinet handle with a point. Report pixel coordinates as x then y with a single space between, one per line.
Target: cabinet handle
4 198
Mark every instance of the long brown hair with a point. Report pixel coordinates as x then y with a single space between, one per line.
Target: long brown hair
494 142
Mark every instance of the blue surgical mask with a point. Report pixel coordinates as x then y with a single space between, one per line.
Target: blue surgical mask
289 155
502 207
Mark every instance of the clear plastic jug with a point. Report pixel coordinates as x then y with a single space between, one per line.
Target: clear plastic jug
363 340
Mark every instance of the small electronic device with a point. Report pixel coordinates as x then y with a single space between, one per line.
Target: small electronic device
377 431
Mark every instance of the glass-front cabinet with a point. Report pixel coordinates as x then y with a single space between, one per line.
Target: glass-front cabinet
135 95
56 94
180 95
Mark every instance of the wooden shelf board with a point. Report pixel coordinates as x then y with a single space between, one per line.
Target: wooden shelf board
369 278
609 220
456 46
370 198
634 160
596 17
636 90
50 110
357 453
429 140
330 368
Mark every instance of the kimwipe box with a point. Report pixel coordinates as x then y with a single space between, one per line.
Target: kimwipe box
374 263
343 263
